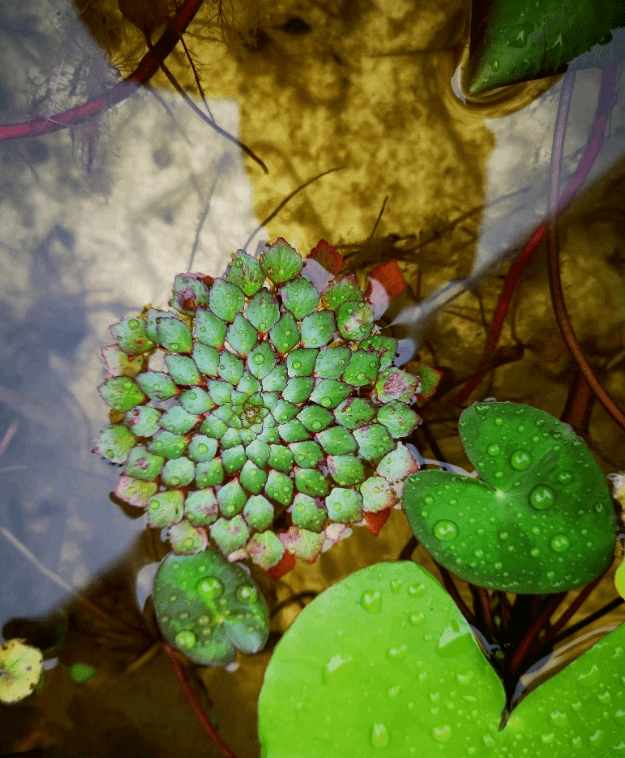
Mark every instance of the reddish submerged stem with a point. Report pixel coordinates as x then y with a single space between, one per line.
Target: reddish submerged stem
604 107
146 69
194 704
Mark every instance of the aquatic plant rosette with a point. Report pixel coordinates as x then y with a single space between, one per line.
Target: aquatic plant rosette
269 389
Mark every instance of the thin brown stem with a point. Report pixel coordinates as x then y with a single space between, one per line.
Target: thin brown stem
487 611
195 706
408 549
504 610
521 653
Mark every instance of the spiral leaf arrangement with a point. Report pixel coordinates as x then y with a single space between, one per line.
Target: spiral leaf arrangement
278 393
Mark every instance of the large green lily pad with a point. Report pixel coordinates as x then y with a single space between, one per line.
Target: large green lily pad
207 608
384 664
539 520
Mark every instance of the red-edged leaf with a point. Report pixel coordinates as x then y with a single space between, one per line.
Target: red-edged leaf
283 566
375 521
390 277
429 377
327 257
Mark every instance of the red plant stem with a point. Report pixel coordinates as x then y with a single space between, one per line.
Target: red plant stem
451 588
543 641
487 611
604 107
520 654
195 706
555 282
146 69
589 619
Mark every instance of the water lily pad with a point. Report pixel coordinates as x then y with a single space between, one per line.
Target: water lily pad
539 520
21 666
383 663
207 608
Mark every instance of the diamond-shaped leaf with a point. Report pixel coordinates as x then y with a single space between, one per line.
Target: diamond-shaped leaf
332 362
354 412
120 364
143 421
346 470
157 385
311 482
173 335
284 334
209 329
258 512
279 487
200 507
245 272
280 262
178 421
308 512
253 478
385 347
202 448
298 389
373 440
225 300
209 474
183 370
178 472
355 320
341 291
276 379
190 292
165 508
131 337
306 454
230 367
187 539
167 444
301 362
261 360
115 443
262 311
398 419
318 329
134 491
362 369
300 297
230 534
121 393
143 465
395 384
241 335
344 505
337 441
330 392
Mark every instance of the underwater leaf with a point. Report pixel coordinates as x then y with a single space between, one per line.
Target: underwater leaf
383 663
539 520
518 40
20 669
207 608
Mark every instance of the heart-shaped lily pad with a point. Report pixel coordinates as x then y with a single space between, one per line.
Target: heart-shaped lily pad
384 664
541 518
207 608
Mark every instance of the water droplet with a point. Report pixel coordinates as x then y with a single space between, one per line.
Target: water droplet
560 543
520 460
498 421
110 452
493 449
416 590
175 481
542 497
441 733
247 593
262 326
392 691
397 652
495 64
173 598
478 553
396 585
559 719
503 535
534 552
202 448
445 530
379 735
481 409
417 619
185 640
371 601
565 477
259 358
133 323
184 615
296 365
498 565
174 346
210 587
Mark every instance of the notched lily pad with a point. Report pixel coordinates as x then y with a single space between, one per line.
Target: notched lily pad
406 676
208 608
21 667
539 520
